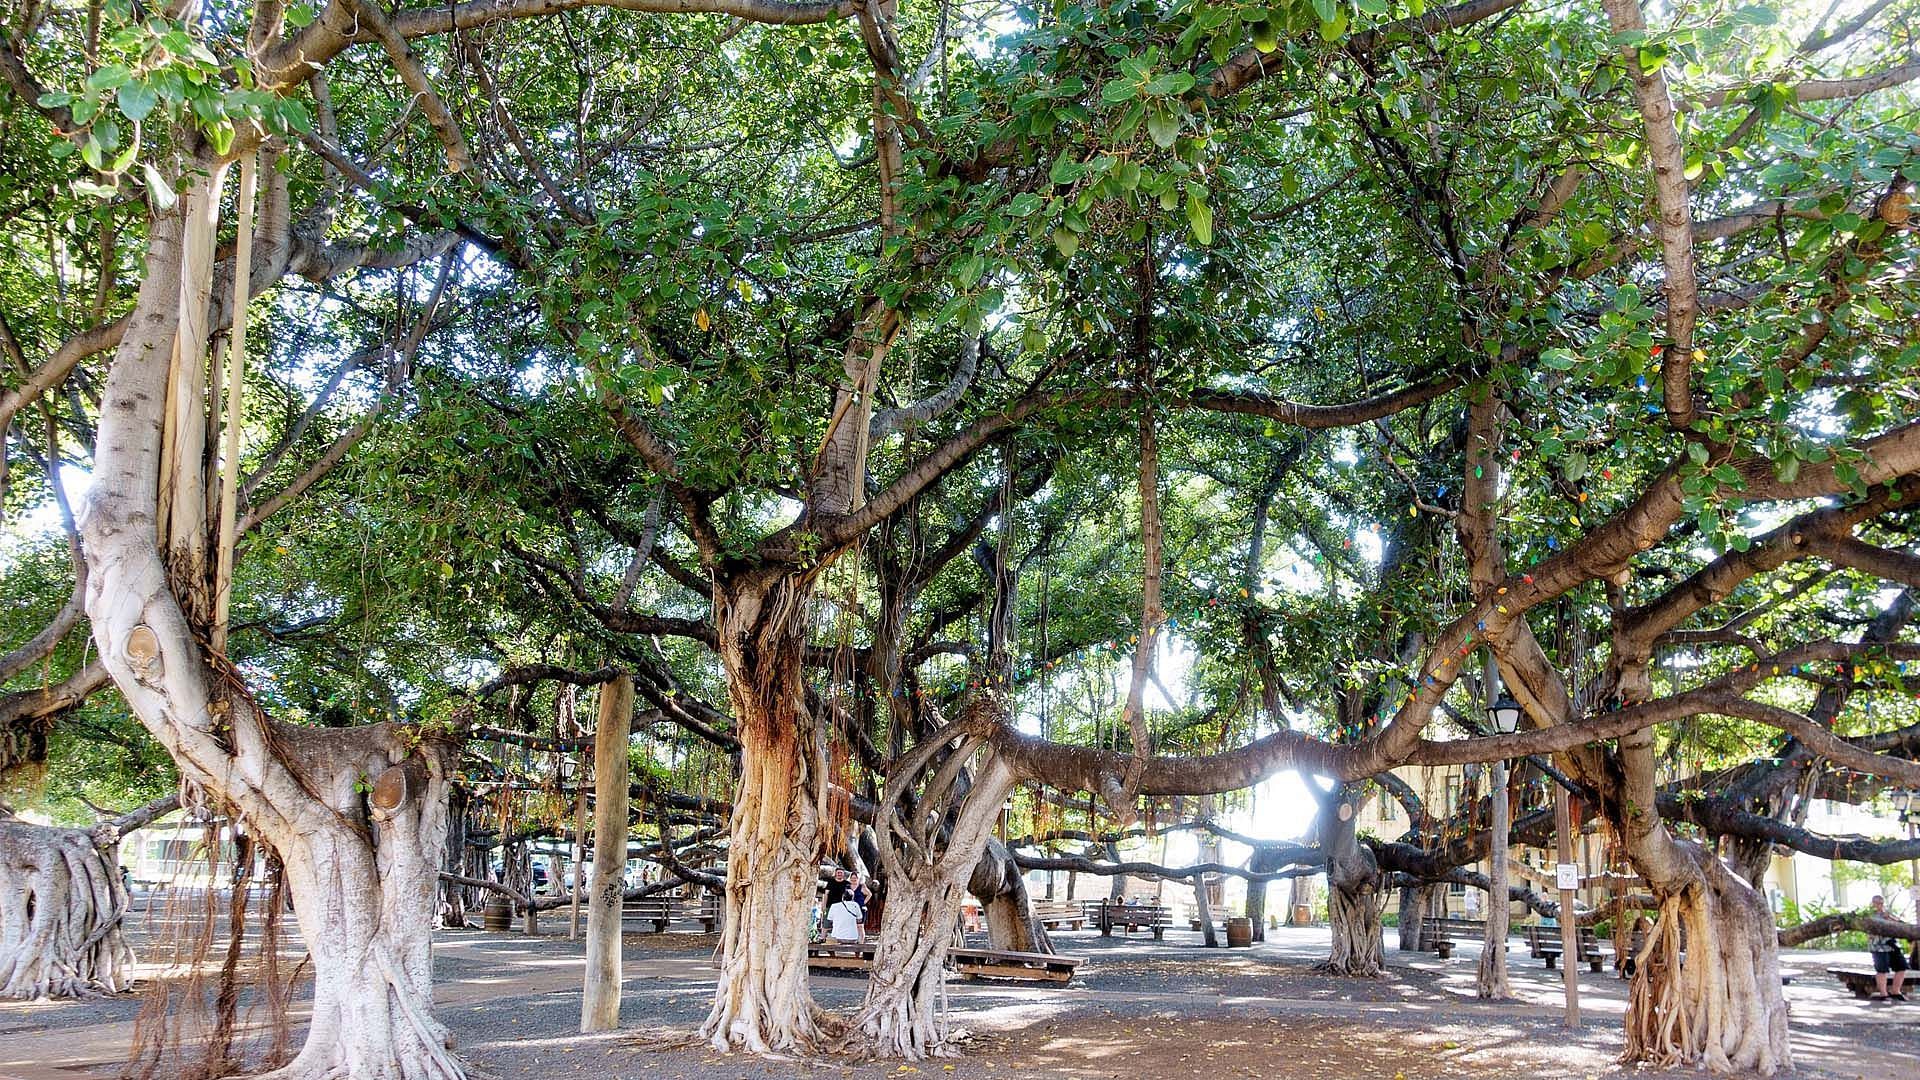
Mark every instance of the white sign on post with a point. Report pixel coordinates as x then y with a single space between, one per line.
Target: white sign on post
1567 876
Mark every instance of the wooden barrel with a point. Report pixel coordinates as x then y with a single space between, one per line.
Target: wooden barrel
497 914
1239 933
1302 915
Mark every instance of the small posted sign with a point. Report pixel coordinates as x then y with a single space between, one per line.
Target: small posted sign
1567 876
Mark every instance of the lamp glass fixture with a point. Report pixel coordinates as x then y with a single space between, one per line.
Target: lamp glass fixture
1505 713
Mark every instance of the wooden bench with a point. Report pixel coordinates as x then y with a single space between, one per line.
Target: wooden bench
1002 964
661 912
1545 944
1106 915
1438 932
1053 914
1858 980
841 955
970 963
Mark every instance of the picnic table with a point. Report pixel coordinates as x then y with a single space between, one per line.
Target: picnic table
1107 914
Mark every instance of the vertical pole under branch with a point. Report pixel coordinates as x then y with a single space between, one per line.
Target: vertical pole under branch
1569 924
236 373
1493 958
600 998
579 848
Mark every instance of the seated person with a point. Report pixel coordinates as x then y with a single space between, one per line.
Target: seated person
845 918
1889 961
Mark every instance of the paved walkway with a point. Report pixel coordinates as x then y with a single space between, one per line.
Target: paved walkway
507 996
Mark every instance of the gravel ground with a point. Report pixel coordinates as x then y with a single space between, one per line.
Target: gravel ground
1137 1008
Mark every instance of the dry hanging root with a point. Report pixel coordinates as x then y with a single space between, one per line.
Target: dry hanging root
1706 985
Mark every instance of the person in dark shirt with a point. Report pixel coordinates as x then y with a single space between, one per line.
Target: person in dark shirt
1889 961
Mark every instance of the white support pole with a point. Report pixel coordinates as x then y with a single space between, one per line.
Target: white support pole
600 998
235 385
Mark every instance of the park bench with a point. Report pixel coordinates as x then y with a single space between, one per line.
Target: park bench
1438 933
841 955
1107 914
661 912
1858 980
1053 914
1005 964
1544 943
971 963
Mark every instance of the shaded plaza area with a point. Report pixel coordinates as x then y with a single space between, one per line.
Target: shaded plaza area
1138 1007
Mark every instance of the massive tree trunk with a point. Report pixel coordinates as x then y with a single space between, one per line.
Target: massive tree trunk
61 906
1353 905
775 838
366 912
928 866
363 871
1706 986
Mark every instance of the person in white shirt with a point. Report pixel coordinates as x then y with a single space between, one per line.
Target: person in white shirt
846 918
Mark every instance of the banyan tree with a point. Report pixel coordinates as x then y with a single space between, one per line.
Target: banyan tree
875 384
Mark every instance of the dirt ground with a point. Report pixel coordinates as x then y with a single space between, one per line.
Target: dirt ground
1138 1008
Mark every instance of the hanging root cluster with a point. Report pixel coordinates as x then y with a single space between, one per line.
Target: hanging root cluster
1706 984
61 908
192 1024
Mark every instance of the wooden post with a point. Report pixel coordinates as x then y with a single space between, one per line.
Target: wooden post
579 847
235 382
533 894
600 998
1569 925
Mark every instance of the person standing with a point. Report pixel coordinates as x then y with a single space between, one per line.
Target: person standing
836 892
1889 961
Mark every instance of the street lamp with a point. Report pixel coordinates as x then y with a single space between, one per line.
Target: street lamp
1505 713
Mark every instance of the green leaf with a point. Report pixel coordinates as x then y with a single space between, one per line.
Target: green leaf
1200 217
136 101
1065 171
1163 126
1266 36
108 77
1372 7
1066 241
